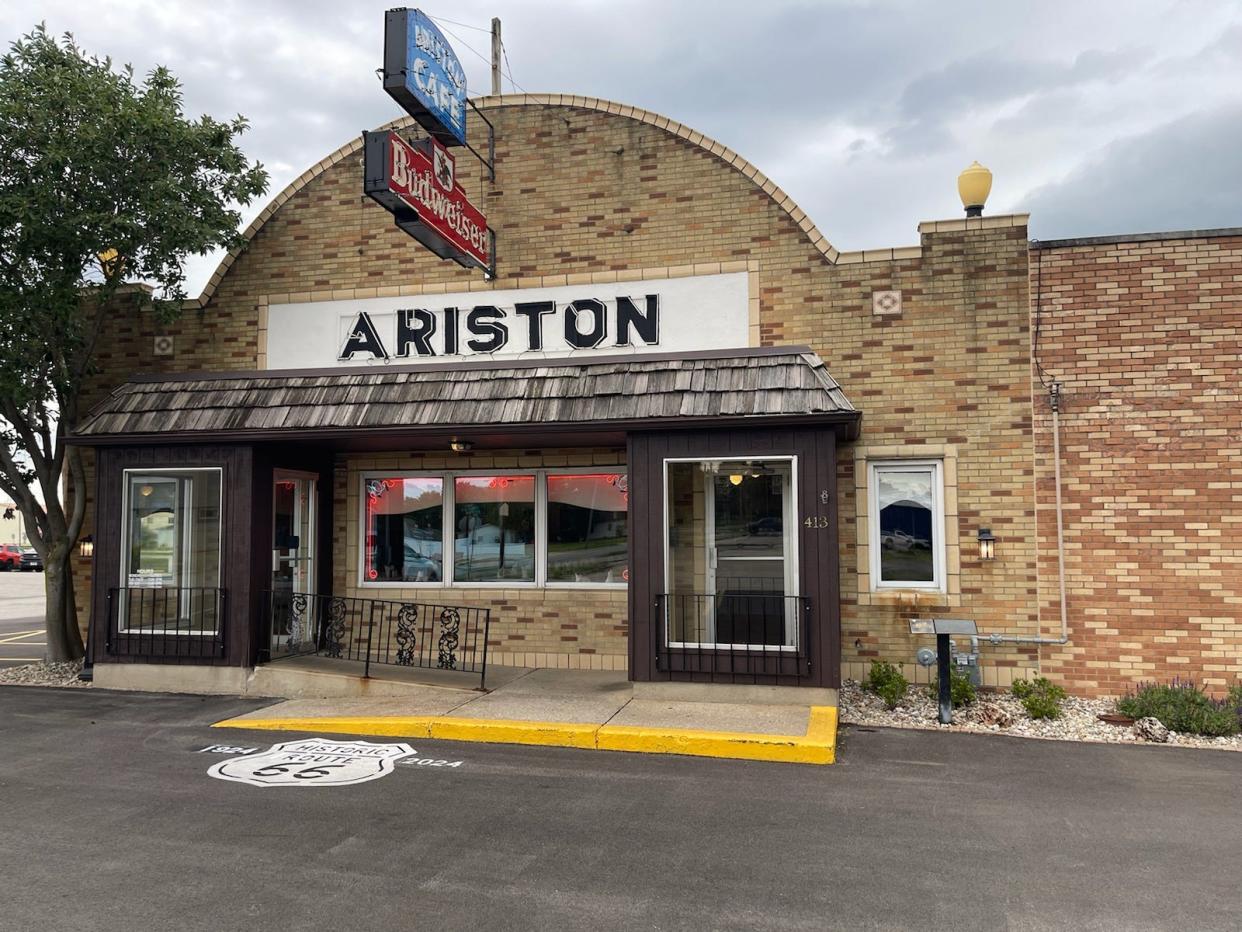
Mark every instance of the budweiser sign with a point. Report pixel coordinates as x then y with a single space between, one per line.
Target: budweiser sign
417 184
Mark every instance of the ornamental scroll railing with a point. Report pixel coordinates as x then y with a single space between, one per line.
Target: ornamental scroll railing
427 635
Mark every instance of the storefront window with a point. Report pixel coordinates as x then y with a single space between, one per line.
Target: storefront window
906 525
587 528
494 529
405 530
729 577
171 557
542 528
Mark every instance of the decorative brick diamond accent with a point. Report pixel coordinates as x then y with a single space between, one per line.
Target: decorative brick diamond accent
886 303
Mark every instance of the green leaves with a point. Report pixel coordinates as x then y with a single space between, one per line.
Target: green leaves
1040 697
92 159
1182 706
887 682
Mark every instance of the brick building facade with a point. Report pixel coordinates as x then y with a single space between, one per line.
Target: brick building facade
1144 334
932 343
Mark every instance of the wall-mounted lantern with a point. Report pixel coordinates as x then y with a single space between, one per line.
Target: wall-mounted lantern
987 544
86 546
461 446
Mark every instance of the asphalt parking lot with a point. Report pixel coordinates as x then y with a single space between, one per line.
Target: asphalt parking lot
111 822
22 635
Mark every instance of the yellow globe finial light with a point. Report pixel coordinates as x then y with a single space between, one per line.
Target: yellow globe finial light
974 185
109 262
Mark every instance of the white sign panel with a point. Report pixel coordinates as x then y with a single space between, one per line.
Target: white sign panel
700 312
313 762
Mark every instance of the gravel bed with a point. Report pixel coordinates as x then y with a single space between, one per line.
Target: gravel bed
43 673
1078 721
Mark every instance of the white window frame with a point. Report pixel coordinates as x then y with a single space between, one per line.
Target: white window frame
312 517
448 539
792 564
874 468
184 565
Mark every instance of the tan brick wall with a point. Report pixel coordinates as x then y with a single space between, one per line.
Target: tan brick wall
582 192
1146 338
947 377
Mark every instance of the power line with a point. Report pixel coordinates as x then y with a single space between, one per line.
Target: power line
487 61
509 70
455 23
479 55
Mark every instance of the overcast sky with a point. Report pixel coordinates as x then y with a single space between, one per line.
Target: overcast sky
1097 117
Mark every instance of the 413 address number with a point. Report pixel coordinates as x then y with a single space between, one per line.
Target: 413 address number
817 522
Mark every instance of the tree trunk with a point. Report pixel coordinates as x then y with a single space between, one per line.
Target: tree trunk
64 640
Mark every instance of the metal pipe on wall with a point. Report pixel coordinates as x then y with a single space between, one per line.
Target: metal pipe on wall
1054 399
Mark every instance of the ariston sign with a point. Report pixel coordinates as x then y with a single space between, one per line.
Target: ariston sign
417 184
655 315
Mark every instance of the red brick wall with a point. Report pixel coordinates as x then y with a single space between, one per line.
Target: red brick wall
1146 339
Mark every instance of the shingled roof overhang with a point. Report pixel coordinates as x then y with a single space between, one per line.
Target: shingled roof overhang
575 401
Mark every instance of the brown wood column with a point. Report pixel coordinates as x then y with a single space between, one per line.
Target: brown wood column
818 552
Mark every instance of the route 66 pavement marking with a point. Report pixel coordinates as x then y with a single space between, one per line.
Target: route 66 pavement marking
316 762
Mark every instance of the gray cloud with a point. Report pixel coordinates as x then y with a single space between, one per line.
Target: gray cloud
863 111
1182 176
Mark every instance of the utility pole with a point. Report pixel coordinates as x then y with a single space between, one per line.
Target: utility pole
496 56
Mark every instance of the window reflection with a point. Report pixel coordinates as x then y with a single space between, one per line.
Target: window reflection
904 498
587 528
173 546
728 547
494 529
405 525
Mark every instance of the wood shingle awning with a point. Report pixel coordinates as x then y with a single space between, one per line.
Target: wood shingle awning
617 393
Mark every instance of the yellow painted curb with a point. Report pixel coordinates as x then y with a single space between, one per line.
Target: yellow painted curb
503 731
817 746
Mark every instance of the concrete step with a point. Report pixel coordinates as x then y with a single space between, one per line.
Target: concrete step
326 678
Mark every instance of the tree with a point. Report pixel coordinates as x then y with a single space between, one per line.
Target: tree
104 181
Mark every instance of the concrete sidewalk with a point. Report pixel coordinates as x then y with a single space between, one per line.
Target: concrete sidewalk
569 708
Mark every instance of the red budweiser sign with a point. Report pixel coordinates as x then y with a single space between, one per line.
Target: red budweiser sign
418 185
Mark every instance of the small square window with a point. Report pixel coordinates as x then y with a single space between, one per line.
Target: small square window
905 516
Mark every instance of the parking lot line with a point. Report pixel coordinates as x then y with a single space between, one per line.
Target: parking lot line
11 638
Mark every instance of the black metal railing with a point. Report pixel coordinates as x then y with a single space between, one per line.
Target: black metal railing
735 637
405 634
166 622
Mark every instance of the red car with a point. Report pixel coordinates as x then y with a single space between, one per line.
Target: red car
10 557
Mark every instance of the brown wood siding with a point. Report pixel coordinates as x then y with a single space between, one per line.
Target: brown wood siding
237 509
818 569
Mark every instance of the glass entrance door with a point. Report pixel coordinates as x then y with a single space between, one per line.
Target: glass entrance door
730 573
748 563
293 534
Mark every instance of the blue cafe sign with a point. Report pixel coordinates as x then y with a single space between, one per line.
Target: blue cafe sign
423 74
